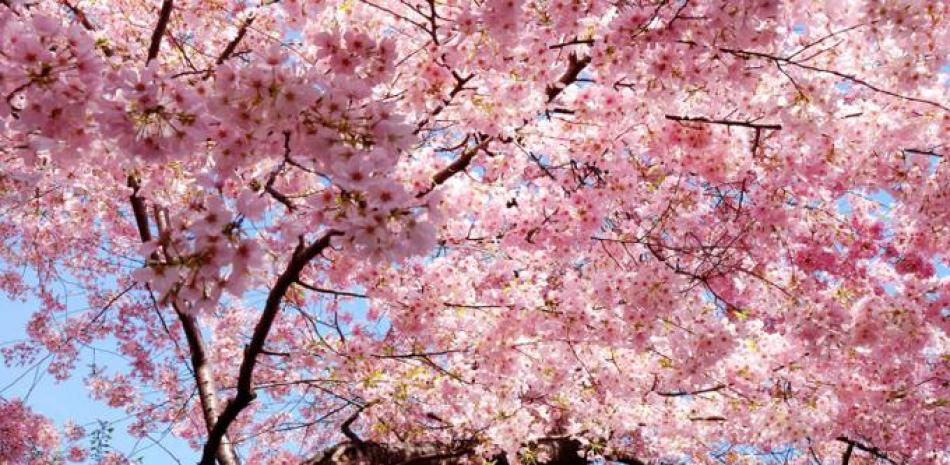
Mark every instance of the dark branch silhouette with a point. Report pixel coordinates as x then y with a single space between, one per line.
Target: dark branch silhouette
163 16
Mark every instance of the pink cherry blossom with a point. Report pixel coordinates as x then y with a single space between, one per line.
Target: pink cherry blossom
533 231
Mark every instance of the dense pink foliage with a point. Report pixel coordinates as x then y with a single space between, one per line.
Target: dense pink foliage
25 437
654 226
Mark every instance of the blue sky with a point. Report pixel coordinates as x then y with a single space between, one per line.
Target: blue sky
70 399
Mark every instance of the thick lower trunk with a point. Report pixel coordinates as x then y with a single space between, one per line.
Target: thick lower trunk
207 387
548 451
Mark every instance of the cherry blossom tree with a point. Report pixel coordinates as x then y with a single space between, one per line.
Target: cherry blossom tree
485 231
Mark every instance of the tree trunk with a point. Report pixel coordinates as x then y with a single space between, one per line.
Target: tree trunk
549 451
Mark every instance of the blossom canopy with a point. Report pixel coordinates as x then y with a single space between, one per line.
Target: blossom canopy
465 231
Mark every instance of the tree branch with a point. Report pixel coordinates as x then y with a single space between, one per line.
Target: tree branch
163 16
928 152
725 122
207 387
574 41
715 388
746 54
345 427
232 45
201 367
86 23
79 14
459 86
245 389
434 31
846 458
139 209
459 165
574 67
331 291
866 448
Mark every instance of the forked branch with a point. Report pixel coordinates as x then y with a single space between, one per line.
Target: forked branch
245 394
